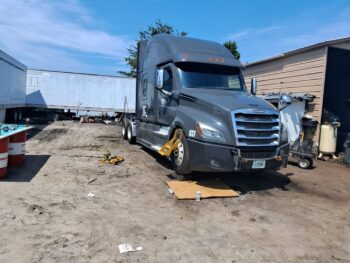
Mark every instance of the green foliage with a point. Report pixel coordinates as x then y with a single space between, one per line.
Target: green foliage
232 46
157 28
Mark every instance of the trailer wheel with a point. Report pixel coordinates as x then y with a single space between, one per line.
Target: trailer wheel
130 136
180 158
304 163
124 127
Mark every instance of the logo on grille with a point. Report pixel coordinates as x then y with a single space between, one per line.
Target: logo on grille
258 111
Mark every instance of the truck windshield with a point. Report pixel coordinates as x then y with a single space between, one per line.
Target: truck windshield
195 75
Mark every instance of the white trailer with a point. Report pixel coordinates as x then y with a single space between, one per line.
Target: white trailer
79 91
12 86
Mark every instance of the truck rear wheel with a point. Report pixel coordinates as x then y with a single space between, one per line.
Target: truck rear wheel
180 158
130 136
124 127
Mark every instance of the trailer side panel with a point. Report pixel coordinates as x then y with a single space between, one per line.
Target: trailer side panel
76 91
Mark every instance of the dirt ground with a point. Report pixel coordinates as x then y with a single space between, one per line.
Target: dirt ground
292 215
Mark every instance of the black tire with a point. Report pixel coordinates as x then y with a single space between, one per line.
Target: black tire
181 165
124 129
304 163
19 114
15 116
130 136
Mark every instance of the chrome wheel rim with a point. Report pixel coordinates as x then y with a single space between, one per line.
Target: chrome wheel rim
179 154
303 164
123 131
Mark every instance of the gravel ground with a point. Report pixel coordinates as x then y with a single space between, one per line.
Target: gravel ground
292 215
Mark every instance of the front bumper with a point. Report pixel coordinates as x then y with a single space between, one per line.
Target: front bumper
209 157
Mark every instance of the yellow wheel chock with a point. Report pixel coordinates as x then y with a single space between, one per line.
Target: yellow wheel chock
111 159
171 145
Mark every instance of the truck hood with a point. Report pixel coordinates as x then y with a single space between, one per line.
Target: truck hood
227 99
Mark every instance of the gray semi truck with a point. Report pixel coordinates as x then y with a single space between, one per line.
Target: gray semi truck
191 97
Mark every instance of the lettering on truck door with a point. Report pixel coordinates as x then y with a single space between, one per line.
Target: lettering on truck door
144 100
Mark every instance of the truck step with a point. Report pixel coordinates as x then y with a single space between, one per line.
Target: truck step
155 147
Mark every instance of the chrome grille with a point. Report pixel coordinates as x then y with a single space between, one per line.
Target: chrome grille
256 127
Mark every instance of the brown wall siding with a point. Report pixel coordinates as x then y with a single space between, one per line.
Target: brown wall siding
303 72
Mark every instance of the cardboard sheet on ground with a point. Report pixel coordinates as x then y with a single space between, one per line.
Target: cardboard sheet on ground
208 189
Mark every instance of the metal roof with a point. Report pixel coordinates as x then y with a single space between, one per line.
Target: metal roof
7 58
299 50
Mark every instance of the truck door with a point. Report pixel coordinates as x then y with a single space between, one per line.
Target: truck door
147 95
166 105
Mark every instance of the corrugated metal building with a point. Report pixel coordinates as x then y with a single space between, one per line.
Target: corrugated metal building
322 69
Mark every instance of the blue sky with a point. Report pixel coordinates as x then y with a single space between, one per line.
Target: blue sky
92 36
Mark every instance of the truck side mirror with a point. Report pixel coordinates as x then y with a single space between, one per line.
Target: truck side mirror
159 78
284 102
286 99
254 86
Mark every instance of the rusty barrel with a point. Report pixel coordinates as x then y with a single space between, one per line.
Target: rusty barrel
4 148
17 149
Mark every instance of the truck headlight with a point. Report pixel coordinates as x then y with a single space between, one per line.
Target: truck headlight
284 134
209 133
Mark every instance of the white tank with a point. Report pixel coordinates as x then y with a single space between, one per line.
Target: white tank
328 141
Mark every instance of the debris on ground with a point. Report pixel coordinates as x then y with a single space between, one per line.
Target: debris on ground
124 248
90 195
170 191
93 180
112 159
198 196
201 189
107 122
84 119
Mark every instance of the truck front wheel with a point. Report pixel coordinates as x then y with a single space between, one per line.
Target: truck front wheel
180 158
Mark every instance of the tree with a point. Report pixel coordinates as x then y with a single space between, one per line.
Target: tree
157 28
232 46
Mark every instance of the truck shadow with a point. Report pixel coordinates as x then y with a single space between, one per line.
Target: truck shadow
253 182
28 170
242 182
159 159
248 182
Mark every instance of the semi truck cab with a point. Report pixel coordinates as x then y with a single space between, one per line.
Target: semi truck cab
196 87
